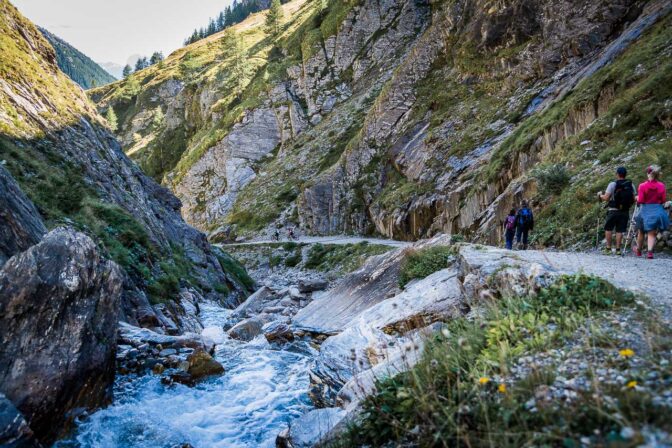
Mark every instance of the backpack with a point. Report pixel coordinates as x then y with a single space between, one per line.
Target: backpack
524 218
623 195
510 222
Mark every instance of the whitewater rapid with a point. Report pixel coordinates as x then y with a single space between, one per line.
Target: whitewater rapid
262 390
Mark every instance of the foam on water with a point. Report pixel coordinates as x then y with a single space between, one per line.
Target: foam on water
261 391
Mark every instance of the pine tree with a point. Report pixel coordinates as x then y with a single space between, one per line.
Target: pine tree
221 21
228 16
157 57
212 27
273 19
127 71
111 118
232 46
141 63
157 121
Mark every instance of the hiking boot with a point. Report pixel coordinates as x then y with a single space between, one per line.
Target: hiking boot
649 256
619 252
638 253
606 251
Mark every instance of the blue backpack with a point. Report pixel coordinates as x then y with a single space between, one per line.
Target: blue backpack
524 218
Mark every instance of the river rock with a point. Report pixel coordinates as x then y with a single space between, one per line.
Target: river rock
255 303
295 293
312 285
59 305
247 329
202 365
310 429
278 331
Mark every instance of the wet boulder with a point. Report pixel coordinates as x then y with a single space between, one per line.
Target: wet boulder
202 365
247 329
59 307
278 331
311 428
255 303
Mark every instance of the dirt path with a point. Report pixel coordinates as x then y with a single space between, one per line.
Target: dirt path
337 239
653 278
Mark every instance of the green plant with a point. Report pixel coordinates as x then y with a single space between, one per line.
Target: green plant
418 264
236 270
294 259
552 179
450 397
316 255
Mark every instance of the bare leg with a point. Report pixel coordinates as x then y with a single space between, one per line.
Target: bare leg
619 240
640 240
608 235
652 240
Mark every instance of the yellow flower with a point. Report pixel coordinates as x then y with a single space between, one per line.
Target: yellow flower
631 384
483 380
626 352
502 388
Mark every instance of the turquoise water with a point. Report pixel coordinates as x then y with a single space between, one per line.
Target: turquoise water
261 391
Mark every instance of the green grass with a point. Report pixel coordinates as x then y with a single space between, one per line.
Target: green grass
24 53
419 264
453 398
236 270
341 258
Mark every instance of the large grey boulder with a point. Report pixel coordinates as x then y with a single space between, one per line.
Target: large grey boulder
20 223
373 283
59 307
247 329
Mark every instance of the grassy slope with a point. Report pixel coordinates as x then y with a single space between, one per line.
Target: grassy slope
197 65
56 185
200 65
78 66
33 67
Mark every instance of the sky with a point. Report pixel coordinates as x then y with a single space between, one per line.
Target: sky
114 30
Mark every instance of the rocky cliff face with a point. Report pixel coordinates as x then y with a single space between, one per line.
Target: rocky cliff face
406 118
59 150
59 308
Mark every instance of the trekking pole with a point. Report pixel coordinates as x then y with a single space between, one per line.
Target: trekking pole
628 239
597 235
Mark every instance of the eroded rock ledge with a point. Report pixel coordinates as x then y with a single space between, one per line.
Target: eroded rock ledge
378 331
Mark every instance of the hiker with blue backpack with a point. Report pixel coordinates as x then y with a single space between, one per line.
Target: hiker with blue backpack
510 228
620 195
524 224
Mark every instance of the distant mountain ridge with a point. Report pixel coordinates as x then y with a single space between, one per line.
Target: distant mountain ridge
78 66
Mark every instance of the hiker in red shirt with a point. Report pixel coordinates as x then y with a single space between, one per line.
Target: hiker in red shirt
653 216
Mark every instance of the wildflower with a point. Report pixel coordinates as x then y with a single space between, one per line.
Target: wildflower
631 384
626 353
502 388
483 380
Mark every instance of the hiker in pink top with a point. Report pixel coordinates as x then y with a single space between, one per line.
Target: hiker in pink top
653 216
